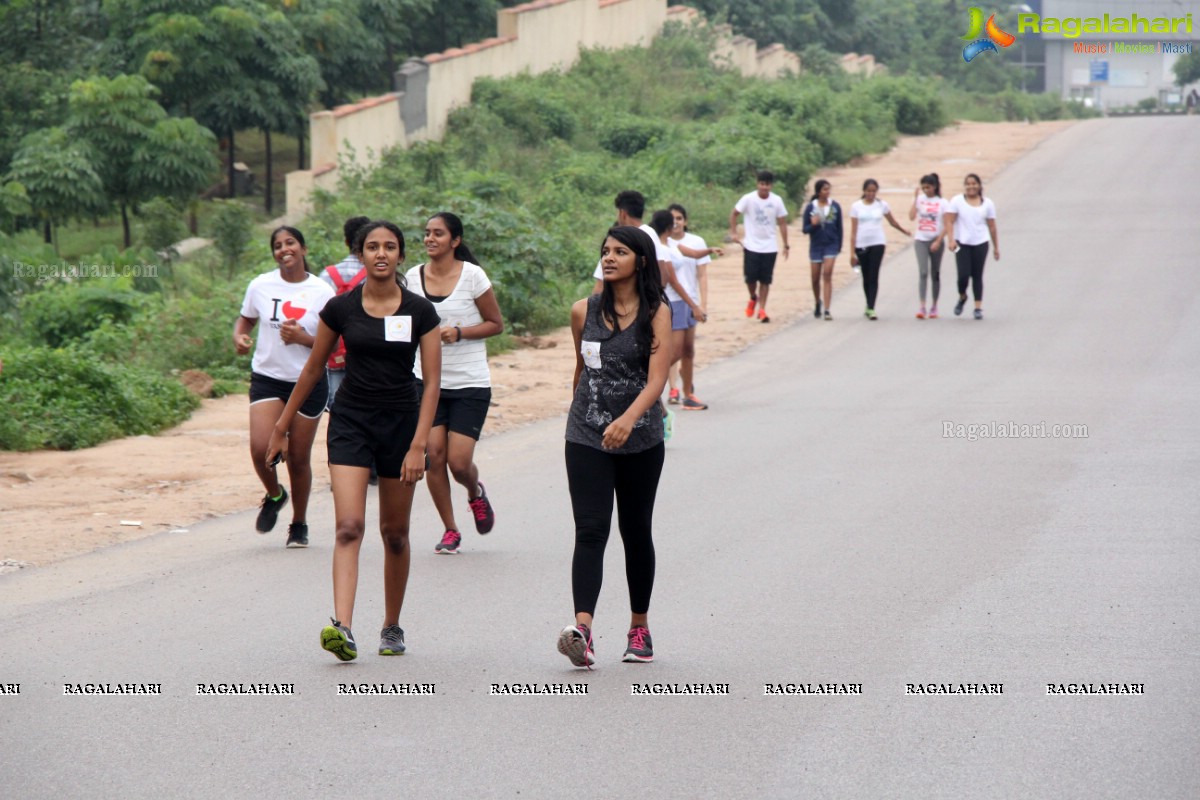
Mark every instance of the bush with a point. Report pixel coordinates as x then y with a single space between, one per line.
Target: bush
232 227
63 313
63 399
626 135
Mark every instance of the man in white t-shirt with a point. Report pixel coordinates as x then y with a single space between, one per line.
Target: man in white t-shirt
764 212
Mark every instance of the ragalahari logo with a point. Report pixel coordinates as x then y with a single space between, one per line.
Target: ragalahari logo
984 37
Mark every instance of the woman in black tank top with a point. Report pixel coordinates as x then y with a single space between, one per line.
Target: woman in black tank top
615 434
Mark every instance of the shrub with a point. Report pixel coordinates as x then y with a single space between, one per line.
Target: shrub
232 227
64 399
626 135
63 313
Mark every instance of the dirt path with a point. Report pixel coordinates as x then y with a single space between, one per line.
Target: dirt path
58 504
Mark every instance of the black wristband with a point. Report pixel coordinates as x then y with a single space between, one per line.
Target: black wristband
459 339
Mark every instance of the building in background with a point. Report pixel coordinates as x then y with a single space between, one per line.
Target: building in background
1091 69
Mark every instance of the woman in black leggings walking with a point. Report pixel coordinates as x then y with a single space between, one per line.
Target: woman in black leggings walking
971 220
615 434
866 233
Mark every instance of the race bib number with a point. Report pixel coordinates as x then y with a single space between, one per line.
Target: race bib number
397 329
591 354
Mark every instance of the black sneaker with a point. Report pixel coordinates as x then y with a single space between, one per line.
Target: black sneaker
958 307
268 512
828 316
337 639
640 649
979 313
817 310
298 534
481 509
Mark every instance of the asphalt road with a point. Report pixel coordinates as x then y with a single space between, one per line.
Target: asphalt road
815 526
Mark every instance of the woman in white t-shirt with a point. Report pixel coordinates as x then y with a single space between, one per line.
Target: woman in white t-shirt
692 273
971 220
288 301
928 209
466 303
866 231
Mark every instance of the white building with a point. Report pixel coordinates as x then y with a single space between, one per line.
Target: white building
1114 68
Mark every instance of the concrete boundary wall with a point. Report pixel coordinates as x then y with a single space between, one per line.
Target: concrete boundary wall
533 37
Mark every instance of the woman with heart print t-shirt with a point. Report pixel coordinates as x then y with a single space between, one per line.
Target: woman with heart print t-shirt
286 301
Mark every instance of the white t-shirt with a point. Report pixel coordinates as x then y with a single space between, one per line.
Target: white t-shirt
464 364
870 222
663 253
272 301
970 227
761 219
685 268
929 217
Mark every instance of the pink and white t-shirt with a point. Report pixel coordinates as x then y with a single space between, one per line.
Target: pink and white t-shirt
929 218
272 301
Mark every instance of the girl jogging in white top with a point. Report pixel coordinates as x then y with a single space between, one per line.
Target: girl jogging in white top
971 220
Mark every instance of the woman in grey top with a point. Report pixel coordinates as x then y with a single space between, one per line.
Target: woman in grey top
615 434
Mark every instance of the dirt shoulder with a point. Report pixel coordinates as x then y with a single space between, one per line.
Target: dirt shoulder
59 504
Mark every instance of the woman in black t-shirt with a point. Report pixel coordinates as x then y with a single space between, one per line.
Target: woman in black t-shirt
379 418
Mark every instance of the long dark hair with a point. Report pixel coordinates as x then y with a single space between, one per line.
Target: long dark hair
455 226
647 284
295 234
360 239
933 180
817 187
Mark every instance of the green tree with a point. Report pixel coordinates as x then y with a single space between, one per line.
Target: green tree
140 153
57 172
1187 68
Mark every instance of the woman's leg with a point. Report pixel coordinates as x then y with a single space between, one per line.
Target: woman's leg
815 266
921 248
978 259
935 272
461 449
962 260
591 476
687 364
395 511
438 477
263 416
349 512
299 463
827 280
636 486
870 272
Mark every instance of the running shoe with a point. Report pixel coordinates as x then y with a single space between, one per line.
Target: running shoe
337 639
762 315
817 310
575 642
481 509
921 313
268 511
297 534
640 648
750 305
668 425
933 313
958 307
673 397
979 313
391 641
448 546
828 316
692 403
871 314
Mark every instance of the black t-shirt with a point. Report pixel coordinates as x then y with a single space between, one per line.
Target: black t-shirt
380 351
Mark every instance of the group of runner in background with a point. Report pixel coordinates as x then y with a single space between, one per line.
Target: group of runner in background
400 362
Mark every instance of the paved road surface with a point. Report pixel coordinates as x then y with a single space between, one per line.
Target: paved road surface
815 526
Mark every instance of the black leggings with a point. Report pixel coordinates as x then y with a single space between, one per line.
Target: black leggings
594 477
970 259
870 259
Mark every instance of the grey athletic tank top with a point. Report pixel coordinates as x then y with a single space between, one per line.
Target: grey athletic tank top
614 374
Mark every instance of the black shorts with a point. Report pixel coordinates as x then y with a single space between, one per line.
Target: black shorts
462 410
265 388
758 267
359 437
